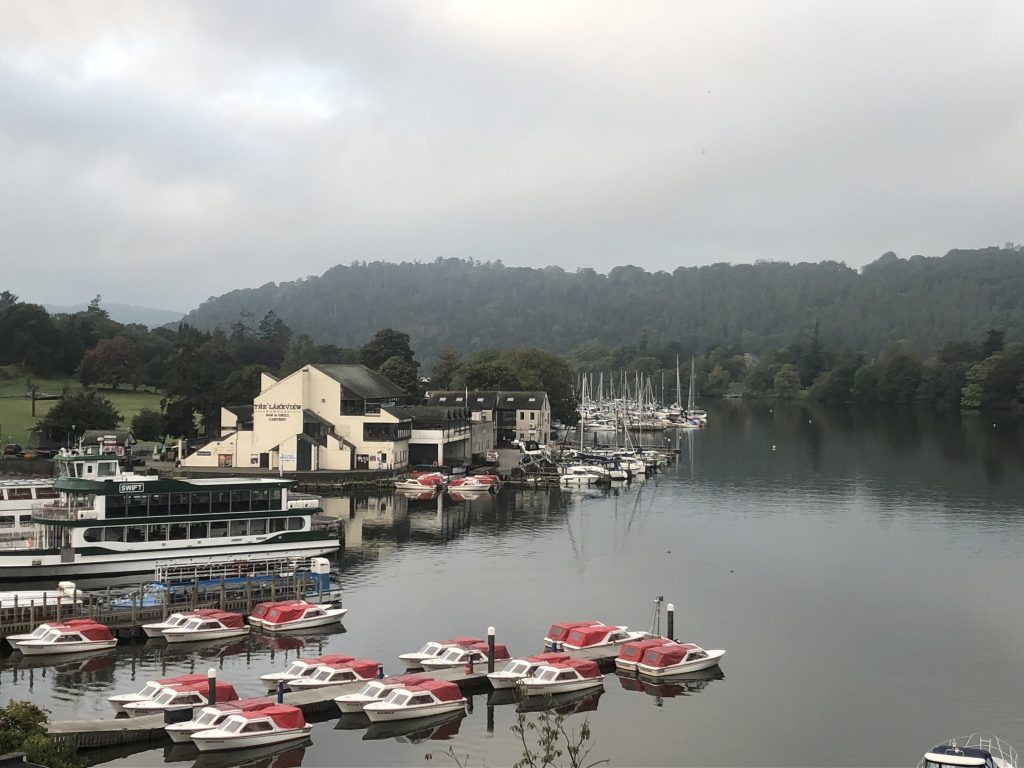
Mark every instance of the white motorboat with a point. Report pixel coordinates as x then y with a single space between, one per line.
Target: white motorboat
181 696
375 690
578 475
559 631
474 484
631 653
562 677
42 629
212 716
176 620
349 673
150 690
63 639
433 649
973 750
431 698
219 626
518 669
461 655
676 659
273 725
297 614
301 668
423 482
596 641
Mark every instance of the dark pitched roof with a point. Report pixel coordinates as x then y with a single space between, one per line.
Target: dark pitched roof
243 412
531 400
361 382
428 412
489 400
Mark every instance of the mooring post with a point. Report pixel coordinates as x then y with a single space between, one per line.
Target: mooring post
195 593
280 691
222 592
248 595
133 607
211 687
670 620
490 649
167 600
32 613
58 609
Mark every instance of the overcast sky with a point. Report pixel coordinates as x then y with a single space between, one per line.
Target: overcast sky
162 152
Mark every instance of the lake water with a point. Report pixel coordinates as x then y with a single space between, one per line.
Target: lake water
862 569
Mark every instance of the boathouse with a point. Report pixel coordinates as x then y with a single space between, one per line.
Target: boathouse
322 416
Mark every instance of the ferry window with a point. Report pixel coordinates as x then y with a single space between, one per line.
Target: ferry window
276 524
46 493
6 521
107 469
113 533
239 527
221 501
240 501
18 494
294 523
198 530
275 498
219 528
89 469
260 500
179 503
179 530
158 532
200 503
25 520
137 505
158 504
258 527
116 506
92 534
136 533
77 470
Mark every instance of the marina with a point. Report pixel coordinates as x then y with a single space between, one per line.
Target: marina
850 511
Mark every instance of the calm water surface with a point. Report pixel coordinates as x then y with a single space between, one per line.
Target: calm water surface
861 569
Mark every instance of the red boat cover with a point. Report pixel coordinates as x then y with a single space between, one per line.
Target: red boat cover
283 715
94 632
500 651
228 619
262 609
203 612
443 690
282 613
365 668
666 656
581 637
225 691
77 623
560 630
336 658
585 667
463 641
404 680
183 679
635 650
549 657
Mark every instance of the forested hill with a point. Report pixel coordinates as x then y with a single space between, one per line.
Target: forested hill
923 302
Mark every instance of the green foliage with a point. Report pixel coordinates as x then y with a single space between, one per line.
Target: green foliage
112 361
148 424
444 369
403 373
787 382
524 370
78 411
996 381
899 376
546 740
23 729
384 345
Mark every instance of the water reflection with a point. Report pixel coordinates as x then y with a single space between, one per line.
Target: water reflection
437 728
671 687
288 755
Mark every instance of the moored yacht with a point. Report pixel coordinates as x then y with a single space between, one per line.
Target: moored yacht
461 655
302 668
254 729
150 690
299 615
973 750
421 700
432 649
62 639
348 673
630 653
212 716
562 677
218 626
375 690
517 669
106 521
676 659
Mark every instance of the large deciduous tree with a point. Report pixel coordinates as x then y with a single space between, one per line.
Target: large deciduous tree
112 361
78 411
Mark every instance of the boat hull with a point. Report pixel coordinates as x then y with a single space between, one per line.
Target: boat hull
353 703
531 688
380 714
32 648
319 621
503 680
710 661
202 636
246 741
305 684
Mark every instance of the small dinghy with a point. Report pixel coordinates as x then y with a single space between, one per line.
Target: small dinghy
150 690
461 655
518 669
176 620
212 716
422 700
676 659
562 677
181 696
301 668
596 640
433 649
241 730
298 615
426 481
631 653
375 690
349 674
218 626
42 629
63 639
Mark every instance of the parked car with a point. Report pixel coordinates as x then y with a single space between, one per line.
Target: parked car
12 449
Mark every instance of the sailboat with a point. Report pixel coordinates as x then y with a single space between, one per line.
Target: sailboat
696 417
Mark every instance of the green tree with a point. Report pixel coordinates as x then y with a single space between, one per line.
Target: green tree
301 352
995 381
23 729
787 382
403 373
112 361
865 383
179 417
78 411
444 369
718 381
899 376
994 342
384 345
148 424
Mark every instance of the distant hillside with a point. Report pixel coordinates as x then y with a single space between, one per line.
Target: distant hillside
470 305
125 313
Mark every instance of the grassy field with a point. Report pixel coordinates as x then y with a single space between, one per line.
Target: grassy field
16 409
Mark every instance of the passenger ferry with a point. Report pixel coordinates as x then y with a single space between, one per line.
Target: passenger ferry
108 522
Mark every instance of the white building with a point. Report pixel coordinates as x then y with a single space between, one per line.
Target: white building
320 417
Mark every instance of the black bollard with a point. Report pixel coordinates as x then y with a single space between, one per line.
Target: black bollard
490 650
670 613
211 687
280 691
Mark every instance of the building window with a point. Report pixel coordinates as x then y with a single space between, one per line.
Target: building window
533 415
522 416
